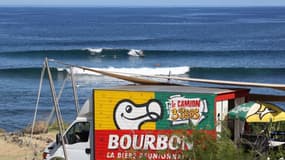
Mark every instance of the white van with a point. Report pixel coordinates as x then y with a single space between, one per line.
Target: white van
77 138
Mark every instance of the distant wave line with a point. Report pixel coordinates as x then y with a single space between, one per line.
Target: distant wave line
142 70
123 51
154 70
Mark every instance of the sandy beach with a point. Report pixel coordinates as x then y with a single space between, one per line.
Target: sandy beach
20 146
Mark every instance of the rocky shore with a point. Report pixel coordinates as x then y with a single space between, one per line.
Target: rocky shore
20 145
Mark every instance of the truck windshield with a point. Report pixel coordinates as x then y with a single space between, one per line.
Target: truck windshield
79 132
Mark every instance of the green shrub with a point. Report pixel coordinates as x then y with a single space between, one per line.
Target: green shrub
208 147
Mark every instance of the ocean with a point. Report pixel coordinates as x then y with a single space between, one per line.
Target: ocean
242 44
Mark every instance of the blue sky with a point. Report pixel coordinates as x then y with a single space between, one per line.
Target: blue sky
142 3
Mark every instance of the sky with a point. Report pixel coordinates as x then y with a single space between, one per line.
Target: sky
186 3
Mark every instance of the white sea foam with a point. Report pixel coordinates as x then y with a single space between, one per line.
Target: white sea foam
94 50
141 71
136 53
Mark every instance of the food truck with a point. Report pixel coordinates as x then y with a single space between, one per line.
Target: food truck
144 122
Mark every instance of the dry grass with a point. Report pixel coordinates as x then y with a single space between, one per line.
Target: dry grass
20 146
40 127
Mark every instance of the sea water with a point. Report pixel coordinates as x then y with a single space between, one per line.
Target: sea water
241 44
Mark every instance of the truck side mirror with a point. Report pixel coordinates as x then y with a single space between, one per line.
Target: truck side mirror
87 150
58 139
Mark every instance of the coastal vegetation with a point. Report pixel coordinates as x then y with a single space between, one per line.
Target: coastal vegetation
223 147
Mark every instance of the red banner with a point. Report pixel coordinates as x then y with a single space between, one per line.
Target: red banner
142 144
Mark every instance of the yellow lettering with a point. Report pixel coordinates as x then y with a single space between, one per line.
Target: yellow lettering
184 114
175 115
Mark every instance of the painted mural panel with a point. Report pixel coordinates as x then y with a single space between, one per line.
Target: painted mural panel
185 111
136 125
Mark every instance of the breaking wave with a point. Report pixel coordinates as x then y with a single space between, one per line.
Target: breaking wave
142 71
179 70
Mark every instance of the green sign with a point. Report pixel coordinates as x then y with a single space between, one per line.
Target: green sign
186 111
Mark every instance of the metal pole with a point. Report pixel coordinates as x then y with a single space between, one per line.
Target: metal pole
56 107
38 99
74 91
51 115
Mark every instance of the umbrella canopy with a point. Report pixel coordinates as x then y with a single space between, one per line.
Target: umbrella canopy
257 112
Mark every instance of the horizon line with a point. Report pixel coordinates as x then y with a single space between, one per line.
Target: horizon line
140 6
